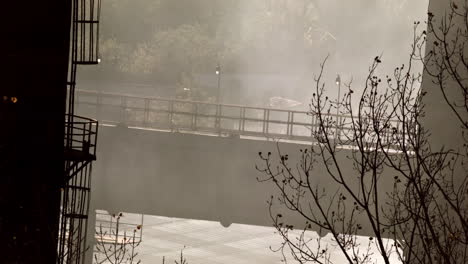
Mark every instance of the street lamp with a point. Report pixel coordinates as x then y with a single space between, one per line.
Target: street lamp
338 83
218 93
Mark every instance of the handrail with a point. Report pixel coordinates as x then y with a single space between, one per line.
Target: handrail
83 133
206 117
181 100
195 116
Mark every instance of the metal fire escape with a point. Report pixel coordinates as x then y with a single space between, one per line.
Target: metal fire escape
80 137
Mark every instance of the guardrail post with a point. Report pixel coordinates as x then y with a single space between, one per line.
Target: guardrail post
194 116
146 114
312 125
267 121
242 119
123 113
290 123
171 112
218 118
337 128
99 105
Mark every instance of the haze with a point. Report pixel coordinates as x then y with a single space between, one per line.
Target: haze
265 48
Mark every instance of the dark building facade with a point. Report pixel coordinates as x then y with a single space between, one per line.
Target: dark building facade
34 63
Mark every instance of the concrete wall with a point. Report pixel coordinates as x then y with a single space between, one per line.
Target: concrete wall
179 175
194 176
439 118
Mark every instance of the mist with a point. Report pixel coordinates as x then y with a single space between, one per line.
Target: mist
265 48
262 53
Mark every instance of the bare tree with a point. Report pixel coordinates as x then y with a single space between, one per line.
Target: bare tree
114 247
182 259
389 181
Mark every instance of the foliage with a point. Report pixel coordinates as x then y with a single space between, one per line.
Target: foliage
160 37
187 48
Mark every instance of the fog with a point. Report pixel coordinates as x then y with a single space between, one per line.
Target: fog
265 48
266 51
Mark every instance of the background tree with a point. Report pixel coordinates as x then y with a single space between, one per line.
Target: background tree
259 38
389 179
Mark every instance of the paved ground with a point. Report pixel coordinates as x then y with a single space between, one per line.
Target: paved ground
206 242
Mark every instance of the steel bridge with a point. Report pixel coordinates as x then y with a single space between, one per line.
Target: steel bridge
186 116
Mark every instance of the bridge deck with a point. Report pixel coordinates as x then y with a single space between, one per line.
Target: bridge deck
203 117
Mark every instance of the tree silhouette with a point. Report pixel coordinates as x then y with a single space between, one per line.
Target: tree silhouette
389 179
114 247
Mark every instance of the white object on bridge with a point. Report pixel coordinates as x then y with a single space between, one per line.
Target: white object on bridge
280 102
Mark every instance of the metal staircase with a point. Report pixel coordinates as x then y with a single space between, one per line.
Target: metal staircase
80 137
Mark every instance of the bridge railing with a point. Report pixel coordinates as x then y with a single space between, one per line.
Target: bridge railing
204 117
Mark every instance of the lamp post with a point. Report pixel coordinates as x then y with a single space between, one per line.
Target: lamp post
338 83
218 93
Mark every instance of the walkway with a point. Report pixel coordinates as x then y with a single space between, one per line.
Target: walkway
197 117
